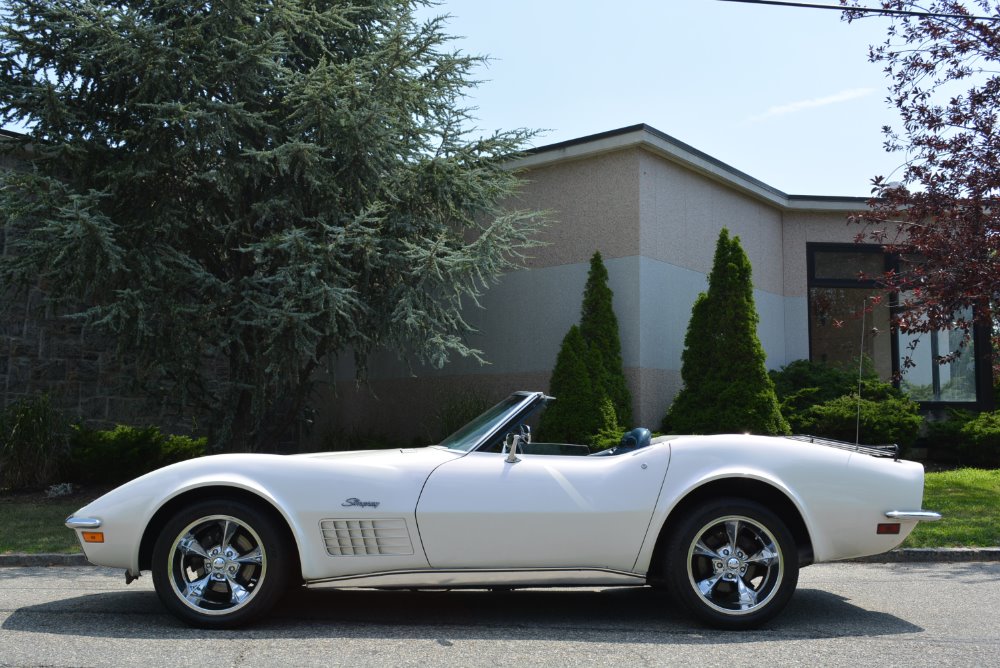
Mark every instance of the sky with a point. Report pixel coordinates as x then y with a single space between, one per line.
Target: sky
786 95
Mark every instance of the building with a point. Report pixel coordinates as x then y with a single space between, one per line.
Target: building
653 207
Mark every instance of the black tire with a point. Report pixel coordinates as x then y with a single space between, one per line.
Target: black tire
221 564
732 563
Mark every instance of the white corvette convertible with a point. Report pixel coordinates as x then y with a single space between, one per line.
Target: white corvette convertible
723 523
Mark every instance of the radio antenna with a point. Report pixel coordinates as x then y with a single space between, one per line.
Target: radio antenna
861 366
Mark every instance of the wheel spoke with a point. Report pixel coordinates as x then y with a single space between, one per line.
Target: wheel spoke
702 550
254 556
732 533
238 593
708 584
194 591
228 531
767 556
748 597
190 545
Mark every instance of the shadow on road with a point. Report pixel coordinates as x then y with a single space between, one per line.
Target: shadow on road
611 615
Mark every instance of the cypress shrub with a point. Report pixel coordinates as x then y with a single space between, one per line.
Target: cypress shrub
726 385
579 411
599 327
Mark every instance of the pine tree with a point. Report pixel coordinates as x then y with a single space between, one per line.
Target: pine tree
257 185
576 415
726 385
599 327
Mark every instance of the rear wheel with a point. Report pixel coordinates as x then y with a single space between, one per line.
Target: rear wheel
732 563
220 564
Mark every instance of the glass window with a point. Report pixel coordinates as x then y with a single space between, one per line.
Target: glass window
849 316
930 380
841 329
847 265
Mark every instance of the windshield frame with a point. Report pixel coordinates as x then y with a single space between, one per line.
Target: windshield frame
483 427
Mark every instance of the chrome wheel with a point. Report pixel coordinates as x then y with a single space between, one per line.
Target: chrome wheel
217 564
731 562
735 564
223 563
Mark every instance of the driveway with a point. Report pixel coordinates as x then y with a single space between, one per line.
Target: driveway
842 615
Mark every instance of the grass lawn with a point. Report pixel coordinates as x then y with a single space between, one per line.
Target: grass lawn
35 524
969 499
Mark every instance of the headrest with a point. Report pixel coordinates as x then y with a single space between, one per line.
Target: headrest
635 439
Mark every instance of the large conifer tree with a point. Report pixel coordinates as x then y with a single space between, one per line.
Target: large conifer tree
599 327
257 184
726 385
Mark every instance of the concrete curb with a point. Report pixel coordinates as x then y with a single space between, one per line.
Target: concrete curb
47 559
933 554
909 555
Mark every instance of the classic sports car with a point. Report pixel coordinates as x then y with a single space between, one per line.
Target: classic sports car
723 523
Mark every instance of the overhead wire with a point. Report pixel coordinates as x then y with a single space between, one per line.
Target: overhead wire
866 10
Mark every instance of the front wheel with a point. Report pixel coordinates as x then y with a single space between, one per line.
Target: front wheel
732 563
220 564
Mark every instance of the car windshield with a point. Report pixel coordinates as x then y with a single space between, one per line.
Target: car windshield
468 436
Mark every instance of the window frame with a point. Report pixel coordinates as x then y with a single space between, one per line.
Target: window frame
981 338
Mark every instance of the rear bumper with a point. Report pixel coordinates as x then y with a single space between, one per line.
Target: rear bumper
913 515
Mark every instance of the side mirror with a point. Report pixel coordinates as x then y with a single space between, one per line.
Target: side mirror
510 444
525 433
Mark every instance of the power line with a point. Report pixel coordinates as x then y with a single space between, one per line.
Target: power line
867 10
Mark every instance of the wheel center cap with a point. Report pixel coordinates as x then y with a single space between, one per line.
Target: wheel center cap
733 563
218 564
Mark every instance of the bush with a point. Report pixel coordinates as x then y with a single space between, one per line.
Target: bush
886 420
801 385
120 454
966 438
577 414
726 385
983 433
33 443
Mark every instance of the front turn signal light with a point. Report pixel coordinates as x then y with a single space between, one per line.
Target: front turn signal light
93 536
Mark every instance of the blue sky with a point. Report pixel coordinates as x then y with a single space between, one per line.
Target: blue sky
786 95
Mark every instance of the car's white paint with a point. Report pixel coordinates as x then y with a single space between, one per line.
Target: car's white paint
478 511
543 511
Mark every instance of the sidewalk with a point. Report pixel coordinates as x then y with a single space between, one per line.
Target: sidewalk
906 555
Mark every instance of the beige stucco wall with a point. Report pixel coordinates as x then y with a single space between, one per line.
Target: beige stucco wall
682 213
593 204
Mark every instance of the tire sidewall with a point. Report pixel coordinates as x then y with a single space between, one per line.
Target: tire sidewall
678 581
271 588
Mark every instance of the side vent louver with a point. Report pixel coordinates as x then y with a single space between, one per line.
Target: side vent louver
366 537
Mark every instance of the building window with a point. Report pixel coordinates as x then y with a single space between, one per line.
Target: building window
849 315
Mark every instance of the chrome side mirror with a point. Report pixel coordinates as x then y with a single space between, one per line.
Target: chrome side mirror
525 433
510 444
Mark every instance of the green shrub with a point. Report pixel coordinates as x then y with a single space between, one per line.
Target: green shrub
886 420
609 432
726 385
982 440
120 454
599 328
33 443
576 414
802 384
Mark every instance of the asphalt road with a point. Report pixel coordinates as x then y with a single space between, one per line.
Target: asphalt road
841 615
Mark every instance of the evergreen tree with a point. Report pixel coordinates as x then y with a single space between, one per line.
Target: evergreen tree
726 385
258 185
577 413
599 327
